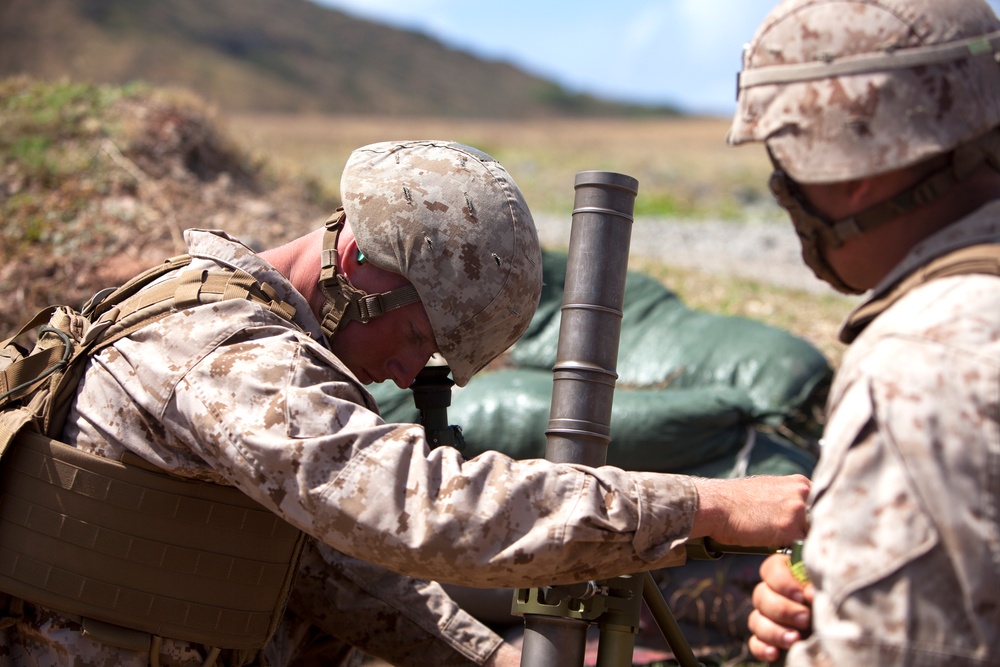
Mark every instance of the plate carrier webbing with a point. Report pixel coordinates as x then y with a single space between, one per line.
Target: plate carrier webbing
132 552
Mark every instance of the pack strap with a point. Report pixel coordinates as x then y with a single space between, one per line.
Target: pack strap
21 377
40 318
981 259
186 289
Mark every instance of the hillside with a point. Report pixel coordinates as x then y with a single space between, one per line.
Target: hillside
274 55
98 182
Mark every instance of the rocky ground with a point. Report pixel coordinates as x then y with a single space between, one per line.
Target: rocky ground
763 251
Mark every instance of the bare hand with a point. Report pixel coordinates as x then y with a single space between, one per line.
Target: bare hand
782 612
752 511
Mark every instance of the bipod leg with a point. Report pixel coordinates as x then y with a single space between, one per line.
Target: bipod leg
667 624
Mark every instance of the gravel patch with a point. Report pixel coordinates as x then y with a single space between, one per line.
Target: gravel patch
763 251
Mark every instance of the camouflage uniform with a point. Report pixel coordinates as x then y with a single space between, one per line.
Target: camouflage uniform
307 443
904 547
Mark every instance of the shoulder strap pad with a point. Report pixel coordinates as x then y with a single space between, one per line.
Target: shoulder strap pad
984 259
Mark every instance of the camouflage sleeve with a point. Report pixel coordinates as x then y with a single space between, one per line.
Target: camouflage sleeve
363 604
275 414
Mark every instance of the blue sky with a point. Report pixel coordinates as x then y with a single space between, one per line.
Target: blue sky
683 52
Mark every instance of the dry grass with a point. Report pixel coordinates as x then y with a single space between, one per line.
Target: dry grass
683 165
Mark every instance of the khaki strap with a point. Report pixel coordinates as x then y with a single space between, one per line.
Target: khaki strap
186 289
981 259
22 371
344 301
40 318
22 376
107 299
370 306
866 63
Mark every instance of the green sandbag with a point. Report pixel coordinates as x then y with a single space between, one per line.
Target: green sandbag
769 454
691 431
692 387
665 343
659 431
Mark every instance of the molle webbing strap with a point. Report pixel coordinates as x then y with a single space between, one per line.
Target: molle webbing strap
141 549
185 289
981 259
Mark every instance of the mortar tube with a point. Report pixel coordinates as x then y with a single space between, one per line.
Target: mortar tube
585 374
585 371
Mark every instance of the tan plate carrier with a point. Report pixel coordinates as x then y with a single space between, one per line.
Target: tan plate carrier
132 552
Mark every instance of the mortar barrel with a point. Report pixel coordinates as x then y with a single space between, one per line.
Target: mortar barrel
585 371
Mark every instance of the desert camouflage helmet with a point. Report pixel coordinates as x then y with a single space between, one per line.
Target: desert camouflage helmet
451 220
845 89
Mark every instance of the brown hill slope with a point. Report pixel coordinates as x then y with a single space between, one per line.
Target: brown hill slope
272 55
97 183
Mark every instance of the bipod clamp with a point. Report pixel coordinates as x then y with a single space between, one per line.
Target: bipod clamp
566 613
563 614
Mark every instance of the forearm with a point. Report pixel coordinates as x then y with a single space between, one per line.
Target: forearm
752 511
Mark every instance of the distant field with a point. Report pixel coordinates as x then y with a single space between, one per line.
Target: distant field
684 168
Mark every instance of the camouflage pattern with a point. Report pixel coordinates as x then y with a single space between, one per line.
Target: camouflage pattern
395 618
418 208
846 127
904 548
230 393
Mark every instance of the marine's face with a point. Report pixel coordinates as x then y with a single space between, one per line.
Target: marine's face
394 346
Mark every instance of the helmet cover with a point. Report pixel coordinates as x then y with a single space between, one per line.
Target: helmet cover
846 89
451 220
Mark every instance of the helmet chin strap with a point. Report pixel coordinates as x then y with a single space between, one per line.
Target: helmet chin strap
344 301
816 230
